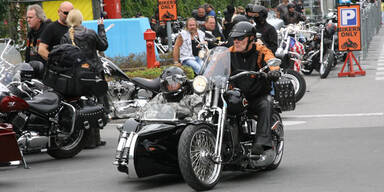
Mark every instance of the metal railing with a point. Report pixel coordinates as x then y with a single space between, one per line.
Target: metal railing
370 14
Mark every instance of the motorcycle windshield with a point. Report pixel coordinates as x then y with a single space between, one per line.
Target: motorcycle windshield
9 57
9 53
159 112
217 64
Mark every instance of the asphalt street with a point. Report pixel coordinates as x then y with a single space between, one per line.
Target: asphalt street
334 143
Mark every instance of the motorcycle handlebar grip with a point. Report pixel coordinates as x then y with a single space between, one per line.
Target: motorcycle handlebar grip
244 73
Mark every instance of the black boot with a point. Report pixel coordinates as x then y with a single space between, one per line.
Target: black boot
90 142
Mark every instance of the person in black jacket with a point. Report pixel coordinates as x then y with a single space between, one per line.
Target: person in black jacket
212 34
37 22
89 43
52 35
268 32
293 16
248 55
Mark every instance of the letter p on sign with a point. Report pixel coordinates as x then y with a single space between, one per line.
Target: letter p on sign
348 17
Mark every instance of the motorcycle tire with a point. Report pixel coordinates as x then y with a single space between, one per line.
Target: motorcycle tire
74 144
277 141
298 82
195 152
326 66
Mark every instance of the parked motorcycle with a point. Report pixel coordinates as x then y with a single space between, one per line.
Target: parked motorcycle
162 140
319 55
161 41
291 62
126 94
42 118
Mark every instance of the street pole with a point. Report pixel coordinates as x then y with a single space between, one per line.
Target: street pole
169 34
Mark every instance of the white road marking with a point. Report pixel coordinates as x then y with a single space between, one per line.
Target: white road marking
379 78
115 124
380 64
288 123
334 115
380 73
380 68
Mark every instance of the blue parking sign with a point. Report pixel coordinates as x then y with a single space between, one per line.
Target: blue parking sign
348 17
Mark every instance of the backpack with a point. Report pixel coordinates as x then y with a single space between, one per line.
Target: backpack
68 73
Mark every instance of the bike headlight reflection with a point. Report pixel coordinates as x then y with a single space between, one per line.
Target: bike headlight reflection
200 84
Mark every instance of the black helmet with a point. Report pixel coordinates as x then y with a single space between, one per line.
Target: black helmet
243 28
290 5
239 18
249 8
171 83
263 12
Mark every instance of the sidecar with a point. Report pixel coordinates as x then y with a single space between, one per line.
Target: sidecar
148 145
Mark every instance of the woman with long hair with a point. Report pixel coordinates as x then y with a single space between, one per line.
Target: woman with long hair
89 43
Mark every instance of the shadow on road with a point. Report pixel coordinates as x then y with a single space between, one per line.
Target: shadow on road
154 182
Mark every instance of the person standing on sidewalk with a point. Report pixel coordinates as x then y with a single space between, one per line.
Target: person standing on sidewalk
37 22
89 43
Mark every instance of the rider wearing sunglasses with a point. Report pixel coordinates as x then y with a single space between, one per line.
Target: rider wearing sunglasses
52 35
247 55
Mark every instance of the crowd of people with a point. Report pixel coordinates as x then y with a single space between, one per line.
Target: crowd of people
238 32
205 26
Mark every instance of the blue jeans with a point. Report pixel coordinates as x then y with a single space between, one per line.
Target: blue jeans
194 63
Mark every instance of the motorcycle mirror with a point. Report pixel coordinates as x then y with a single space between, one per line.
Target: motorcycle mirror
258 35
279 53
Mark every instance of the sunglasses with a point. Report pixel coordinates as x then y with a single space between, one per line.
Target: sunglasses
239 38
65 12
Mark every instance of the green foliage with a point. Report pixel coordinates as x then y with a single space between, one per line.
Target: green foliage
156 72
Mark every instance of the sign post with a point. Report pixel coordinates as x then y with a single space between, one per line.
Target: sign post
168 13
349 34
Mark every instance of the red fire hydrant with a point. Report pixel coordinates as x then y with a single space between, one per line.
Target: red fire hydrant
150 36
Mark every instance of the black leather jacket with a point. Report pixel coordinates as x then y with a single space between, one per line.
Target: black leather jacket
268 35
89 42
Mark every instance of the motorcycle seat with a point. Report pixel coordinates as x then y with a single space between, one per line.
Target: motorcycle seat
151 84
46 103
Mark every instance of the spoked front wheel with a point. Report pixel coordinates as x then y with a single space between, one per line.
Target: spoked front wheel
298 82
326 66
195 154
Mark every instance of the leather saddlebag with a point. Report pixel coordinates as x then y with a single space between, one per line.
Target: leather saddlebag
91 116
285 94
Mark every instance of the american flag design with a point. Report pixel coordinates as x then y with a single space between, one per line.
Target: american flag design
296 46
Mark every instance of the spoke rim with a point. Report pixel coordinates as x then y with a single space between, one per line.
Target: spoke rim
202 149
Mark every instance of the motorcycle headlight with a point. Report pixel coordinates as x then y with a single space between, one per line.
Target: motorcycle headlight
200 84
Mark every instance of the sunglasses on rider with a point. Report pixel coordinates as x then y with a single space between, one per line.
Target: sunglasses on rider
239 38
65 12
